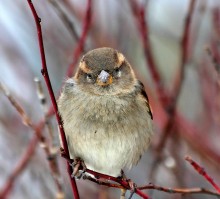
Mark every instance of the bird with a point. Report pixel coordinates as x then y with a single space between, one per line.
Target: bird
106 113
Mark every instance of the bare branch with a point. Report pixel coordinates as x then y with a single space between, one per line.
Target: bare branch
180 190
48 83
80 45
202 172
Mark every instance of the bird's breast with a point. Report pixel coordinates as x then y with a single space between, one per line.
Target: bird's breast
103 130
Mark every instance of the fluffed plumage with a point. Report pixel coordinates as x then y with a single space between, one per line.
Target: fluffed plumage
107 117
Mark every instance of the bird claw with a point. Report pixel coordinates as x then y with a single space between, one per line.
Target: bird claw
79 168
131 184
77 164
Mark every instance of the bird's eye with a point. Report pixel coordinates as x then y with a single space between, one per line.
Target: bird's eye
117 72
89 77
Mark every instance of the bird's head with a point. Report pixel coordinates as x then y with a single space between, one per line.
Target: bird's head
104 71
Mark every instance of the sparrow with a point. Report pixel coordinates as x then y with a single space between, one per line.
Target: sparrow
106 113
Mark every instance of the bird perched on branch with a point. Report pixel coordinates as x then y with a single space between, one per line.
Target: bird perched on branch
106 113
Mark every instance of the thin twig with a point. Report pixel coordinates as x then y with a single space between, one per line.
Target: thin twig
64 17
202 172
216 21
139 13
19 168
43 102
49 87
25 119
50 150
214 59
168 101
179 81
80 45
43 143
100 182
184 52
154 187
120 181
180 190
171 106
191 133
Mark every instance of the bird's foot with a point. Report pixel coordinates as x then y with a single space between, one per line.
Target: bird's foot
79 168
131 184
77 164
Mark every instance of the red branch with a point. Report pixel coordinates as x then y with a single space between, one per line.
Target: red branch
124 183
139 14
214 57
184 46
80 46
196 190
48 83
168 101
202 172
179 81
216 21
191 133
19 167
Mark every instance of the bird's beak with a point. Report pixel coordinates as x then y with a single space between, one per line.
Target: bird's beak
104 78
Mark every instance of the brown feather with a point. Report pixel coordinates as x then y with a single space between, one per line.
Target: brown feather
144 94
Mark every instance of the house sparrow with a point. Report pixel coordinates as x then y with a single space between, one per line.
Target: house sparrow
106 113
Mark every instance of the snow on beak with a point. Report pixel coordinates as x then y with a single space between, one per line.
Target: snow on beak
104 78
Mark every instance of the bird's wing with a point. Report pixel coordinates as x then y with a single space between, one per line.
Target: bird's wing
143 93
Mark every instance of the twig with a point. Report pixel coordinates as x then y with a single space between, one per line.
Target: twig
191 133
184 49
64 17
179 81
19 168
80 45
152 186
99 182
216 21
43 102
27 121
180 190
142 23
23 162
171 107
50 151
168 101
214 59
120 181
202 172
48 83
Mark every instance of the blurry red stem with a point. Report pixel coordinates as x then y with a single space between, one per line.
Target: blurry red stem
179 81
19 167
48 83
139 13
80 45
202 172
124 183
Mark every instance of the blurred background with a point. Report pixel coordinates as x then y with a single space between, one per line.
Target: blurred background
191 129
